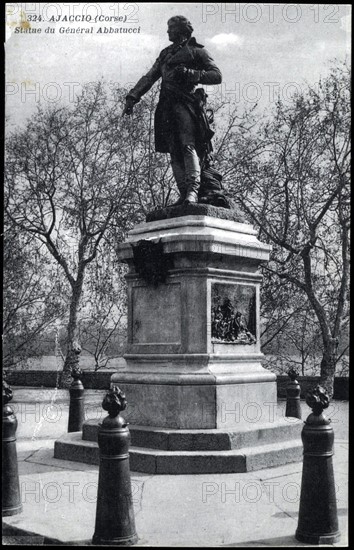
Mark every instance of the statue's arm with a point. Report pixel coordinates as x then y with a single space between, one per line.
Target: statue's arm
209 72
145 82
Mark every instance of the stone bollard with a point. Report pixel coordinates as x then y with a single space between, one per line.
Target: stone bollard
115 523
11 496
293 407
318 520
76 407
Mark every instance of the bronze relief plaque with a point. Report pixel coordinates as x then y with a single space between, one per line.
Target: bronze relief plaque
233 314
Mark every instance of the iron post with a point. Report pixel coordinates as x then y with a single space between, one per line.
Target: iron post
318 520
115 523
11 496
76 407
293 407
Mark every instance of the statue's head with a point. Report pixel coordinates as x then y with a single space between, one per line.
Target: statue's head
179 27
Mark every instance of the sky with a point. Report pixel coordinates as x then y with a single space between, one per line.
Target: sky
261 49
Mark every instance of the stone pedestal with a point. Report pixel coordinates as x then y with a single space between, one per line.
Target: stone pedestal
198 399
193 357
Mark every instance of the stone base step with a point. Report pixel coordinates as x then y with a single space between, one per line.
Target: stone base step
206 440
155 461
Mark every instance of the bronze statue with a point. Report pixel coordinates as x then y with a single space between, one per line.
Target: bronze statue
181 120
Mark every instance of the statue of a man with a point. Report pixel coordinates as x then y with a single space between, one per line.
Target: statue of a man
181 124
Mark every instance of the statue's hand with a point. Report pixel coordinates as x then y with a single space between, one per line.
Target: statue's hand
182 74
128 109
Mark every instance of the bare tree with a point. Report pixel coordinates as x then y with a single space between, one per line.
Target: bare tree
68 175
31 302
295 188
102 323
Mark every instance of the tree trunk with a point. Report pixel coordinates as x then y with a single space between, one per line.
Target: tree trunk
73 345
328 365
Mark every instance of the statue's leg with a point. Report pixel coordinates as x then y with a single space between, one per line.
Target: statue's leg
177 165
192 167
186 137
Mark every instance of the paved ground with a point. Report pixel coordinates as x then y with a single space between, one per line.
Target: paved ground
249 509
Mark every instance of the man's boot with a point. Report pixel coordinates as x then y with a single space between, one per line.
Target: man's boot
182 195
192 192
